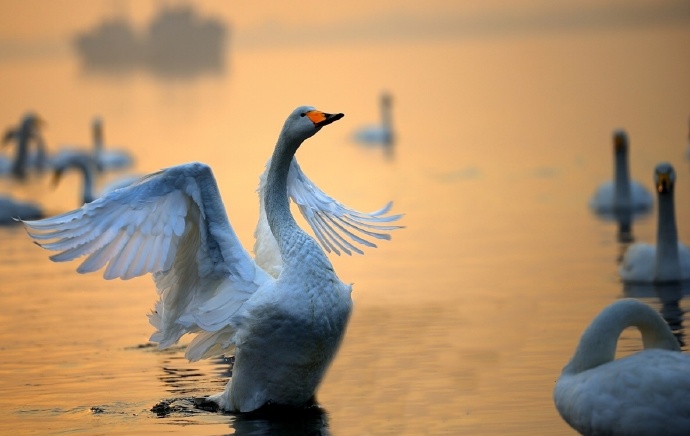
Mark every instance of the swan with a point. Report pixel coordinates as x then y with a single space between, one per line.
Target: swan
105 159
85 164
284 330
669 260
11 210
621 195
27 132
379 134
642 394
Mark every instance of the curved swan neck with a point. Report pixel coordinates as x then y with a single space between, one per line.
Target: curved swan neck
667 258
276 202
622 195
598 343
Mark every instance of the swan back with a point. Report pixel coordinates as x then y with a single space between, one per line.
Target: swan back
644 393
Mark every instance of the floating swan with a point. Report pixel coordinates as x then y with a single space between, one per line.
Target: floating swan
105 159
669 260
27 132
11 210
379 134
85 164
283 331
642 394
621 195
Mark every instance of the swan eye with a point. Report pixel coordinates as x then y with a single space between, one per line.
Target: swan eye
303 114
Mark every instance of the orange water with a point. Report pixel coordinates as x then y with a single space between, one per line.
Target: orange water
464 320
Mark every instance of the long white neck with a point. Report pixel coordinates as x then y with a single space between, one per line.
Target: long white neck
667 266
290 237
622 196
598 343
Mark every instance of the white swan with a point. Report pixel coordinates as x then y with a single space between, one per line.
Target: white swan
25 159
669 260
379 134
642 394
84 163
11 210
621 195
284 331
105 158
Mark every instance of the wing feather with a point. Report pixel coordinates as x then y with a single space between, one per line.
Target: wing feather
172 224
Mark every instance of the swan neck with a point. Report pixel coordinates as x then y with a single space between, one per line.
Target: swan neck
667 258
276 202
622 199
598 343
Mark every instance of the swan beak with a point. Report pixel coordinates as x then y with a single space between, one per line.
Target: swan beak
321 119
619 142
663 183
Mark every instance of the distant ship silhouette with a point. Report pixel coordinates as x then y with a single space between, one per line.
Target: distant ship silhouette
176 42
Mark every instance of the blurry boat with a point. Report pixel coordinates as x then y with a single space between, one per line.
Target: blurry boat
177 41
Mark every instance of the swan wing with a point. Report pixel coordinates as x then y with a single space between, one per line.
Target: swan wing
338 227
172 224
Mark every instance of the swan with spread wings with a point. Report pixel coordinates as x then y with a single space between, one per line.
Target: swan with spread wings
283 315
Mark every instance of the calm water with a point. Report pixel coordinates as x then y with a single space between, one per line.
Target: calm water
463 321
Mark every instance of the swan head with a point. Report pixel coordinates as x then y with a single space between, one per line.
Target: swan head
305 121
620 141
664 178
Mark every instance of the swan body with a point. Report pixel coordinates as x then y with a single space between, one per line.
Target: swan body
669 260
11 210
25 158
642 394
378 134
622 195
284 328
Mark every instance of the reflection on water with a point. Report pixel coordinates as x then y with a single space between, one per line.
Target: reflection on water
463 322
312 421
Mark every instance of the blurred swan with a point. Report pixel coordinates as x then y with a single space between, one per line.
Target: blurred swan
105 159
84 163
25 159
622 194
283 331
669 260
645 393
11 210
379 134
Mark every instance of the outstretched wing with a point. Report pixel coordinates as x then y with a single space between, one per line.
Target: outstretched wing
173 224
338 227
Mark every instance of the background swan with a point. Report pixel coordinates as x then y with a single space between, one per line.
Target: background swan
642 394
622 194
669 260
26 134
379 134
12 209
85 165
284 331
104 158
